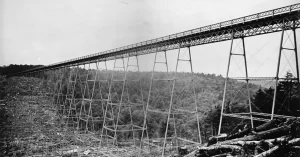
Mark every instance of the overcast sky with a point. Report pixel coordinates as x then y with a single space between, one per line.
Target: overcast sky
49 31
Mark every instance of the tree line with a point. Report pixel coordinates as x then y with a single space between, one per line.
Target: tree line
15 68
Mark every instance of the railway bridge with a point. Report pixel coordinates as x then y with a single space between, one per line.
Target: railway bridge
91 99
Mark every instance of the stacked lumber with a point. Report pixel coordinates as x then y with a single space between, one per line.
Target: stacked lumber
278 137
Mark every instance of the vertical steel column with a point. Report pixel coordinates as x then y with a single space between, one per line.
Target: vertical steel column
103 100
71 95
79 82
120 102
106 106
92 95
109 102
296 52
51 75
296 57
59 91
247 80
147 104
65 102
226 80
171 101
86 91
82 101
195 96
277 73
145 129
64 95
128 95
89 89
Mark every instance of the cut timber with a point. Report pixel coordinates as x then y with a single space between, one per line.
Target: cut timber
294 142
248 143
268 134
215 139
218 149
296 147
239 134
268 152
274 133
275 138
271 124
223 155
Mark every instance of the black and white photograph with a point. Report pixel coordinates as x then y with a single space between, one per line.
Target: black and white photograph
149 78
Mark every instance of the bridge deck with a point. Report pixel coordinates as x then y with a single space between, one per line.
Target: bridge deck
271 21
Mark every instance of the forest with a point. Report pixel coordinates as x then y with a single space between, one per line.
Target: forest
14 68
208 88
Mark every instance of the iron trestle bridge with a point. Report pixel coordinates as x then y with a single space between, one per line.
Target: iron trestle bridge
271 21
114 85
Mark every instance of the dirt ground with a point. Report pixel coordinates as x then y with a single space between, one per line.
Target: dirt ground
30 125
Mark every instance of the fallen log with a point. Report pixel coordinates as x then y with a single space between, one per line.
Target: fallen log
247 138
239 134
268 152
215 139
251 143
223 155
218 149
294 142
266 126
296 147
268 134
274 133
269 125
275 138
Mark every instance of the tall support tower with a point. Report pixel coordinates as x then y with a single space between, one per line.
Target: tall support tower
241 95
59 96
70 102
125 96
101 97
283 49
170 107
85 116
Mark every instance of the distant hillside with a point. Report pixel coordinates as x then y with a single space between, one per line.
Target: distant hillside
266 84
209 90
14 68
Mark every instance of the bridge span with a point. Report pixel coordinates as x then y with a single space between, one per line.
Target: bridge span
271 21
79 90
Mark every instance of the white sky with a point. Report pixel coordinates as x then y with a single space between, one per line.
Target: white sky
49 31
